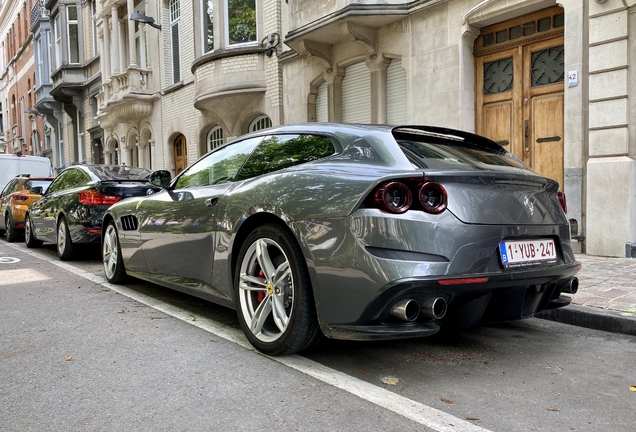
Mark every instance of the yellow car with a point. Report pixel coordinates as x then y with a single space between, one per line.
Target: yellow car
14 200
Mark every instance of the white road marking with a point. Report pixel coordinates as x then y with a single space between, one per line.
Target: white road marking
9 260
423 414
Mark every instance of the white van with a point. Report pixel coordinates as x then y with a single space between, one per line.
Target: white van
11 165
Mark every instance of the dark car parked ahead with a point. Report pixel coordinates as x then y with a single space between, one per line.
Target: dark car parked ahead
73 206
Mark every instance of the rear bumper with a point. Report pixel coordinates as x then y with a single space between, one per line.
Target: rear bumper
502 297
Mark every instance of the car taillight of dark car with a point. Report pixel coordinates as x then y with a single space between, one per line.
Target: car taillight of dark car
92 197
397 196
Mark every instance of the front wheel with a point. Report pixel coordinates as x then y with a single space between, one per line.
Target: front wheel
64 244
29 236
111 255
275 302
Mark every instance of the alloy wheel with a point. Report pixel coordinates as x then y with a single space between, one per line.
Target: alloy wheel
266 290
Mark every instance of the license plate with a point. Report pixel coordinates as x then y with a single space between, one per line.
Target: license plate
527 252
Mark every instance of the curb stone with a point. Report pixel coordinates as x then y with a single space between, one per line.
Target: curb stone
585 316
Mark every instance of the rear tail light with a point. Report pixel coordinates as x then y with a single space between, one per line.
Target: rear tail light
20 197
92 197
394 197
433 197
397 196
563 201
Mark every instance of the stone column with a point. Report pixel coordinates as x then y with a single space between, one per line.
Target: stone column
611 168
105 57
115 40
132 47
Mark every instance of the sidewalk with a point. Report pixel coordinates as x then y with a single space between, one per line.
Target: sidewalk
606 299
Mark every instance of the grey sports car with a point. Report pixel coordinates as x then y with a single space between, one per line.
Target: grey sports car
353 232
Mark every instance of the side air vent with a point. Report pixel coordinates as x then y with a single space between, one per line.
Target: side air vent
129 223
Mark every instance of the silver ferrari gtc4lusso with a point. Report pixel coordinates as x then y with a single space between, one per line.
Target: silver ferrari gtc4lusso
359 232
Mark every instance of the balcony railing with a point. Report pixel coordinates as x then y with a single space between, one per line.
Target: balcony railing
38 11
132 81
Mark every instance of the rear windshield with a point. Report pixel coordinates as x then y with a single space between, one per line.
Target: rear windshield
29 184
450 155
118 172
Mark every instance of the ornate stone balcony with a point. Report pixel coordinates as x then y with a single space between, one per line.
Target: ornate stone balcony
126 97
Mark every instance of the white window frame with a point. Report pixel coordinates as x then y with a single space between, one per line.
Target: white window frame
80 136
175 21
69 23
38 60
259 123
227 27
94 27
216 138
140 43
205 4
57 27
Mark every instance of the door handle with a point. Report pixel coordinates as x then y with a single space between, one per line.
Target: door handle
211 202
525 133
548 139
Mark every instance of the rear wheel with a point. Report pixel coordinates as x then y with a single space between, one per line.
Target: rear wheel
29 236
64 244
10 233
111 255
275 302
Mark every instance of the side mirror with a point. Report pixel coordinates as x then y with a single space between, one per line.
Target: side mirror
160 178
36 190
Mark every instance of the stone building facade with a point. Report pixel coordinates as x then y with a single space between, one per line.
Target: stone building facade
197 77
551 82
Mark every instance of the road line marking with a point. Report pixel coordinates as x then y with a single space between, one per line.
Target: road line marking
418 412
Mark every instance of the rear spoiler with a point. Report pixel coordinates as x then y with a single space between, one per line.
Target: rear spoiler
450 134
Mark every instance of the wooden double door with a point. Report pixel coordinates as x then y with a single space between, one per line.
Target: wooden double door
519 93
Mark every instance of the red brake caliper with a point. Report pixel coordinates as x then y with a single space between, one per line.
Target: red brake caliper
261 294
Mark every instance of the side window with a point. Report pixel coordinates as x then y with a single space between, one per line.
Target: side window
282 151
68 179
10 187
220 166
26 185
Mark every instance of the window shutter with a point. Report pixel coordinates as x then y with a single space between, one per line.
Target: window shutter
396 93
322 115
356 94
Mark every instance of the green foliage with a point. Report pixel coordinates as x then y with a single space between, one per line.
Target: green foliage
242 21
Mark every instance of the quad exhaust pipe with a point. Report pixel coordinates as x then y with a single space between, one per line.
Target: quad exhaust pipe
409 309
406 310
434 308
572 286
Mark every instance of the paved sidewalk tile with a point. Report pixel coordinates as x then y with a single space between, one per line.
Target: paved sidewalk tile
607 283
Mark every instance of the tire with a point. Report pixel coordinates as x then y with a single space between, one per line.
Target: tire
111 256
276 313
10 232
64 243
29 235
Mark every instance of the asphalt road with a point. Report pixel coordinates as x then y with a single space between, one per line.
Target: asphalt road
80 354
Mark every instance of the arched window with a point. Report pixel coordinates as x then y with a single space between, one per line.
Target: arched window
215 138
175 39
260 122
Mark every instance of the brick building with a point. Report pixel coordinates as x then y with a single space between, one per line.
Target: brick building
22 124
